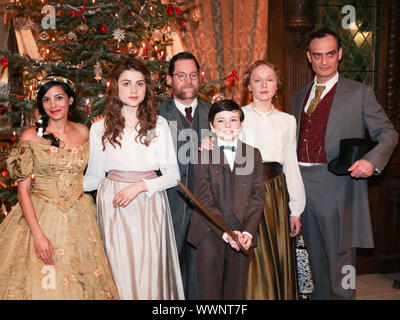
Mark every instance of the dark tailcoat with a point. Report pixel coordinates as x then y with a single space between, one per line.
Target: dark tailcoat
236 197
187 139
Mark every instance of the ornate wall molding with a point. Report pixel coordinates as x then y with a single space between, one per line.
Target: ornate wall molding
299 18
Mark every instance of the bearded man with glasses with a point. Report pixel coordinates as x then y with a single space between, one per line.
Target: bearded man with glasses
187 116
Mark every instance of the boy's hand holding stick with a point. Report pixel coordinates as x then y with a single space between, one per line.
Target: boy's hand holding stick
219 223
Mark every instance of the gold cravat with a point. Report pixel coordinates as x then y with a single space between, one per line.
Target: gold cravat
314 102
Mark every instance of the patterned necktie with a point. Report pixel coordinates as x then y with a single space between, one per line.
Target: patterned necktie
317 99
232 148
188 111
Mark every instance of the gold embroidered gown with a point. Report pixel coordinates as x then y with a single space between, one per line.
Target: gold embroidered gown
67 218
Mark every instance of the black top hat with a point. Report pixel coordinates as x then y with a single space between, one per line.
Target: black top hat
350 151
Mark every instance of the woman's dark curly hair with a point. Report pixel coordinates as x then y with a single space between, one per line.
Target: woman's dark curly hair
46 84
147 111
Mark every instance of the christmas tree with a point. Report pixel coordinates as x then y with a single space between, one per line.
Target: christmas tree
81 40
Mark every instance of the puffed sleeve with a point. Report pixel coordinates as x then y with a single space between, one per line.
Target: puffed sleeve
166 158
20 161
95 171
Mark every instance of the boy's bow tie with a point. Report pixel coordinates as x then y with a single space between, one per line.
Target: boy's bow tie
232 148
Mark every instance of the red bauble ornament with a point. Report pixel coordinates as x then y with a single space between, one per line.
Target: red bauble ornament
4 173
103 29
3 110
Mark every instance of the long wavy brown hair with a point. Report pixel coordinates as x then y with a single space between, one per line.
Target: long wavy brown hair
147 111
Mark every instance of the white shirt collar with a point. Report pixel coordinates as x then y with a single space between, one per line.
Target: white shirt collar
181 107
222 142
328 85
229 155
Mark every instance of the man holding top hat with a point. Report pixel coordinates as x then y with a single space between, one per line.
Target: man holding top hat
336 219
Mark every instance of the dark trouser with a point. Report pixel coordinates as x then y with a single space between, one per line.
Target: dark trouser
187 256
187 261
331 270
222 270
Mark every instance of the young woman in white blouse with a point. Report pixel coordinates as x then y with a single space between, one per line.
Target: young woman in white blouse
272 273
127 146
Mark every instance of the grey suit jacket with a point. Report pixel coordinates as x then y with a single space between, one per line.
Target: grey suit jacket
354 110
187 139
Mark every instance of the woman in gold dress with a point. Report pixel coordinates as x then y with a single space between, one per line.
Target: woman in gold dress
50 243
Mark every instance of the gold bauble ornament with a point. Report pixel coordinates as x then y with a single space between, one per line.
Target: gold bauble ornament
157 35
82 28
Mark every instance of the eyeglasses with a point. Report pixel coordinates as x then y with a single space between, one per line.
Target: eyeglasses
183 76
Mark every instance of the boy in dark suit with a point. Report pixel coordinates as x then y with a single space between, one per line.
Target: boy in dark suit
230 184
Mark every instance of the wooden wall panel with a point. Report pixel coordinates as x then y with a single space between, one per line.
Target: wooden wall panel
282 48
298 72
384 191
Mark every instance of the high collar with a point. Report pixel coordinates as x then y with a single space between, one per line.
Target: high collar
328 84
261 113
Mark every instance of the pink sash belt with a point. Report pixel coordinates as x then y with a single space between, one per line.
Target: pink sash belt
131 176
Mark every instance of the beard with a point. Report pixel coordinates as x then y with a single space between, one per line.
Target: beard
181 94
